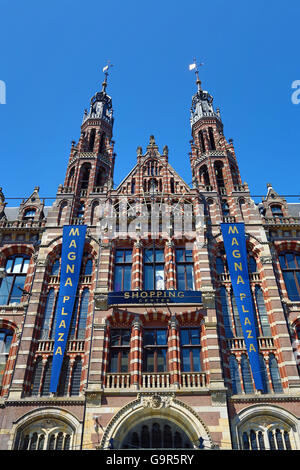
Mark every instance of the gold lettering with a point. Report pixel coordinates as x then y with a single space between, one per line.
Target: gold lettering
252 348
60 337
152 293
234 242
58 351
172 294
68 282
245 311
63 311
240 280
144 294
236 254
238 266
126 295
74 231
73 244
62 324
232 230
242 296
159 293
247 321
134 295
70 268
180 294
66 297
249 334
72 255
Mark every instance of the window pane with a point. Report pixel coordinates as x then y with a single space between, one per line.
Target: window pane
179 255
161 360
180 277
282 262
161 337
9 264
159 256
159 278
115 338
184 337
125 337
291 285
149 361
186 366
119 258
118 278
219 265
196 360
25 266
16 292
148 277
190 277
124 361
189 255
5 289
114 361
195 336
127 278
17 265
128 256
148 256
149 337
290 261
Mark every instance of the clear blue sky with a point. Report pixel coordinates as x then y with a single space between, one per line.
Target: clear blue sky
52 54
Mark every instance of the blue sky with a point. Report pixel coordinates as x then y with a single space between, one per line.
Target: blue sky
52 56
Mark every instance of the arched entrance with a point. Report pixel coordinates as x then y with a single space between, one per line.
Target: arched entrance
155 421
156 433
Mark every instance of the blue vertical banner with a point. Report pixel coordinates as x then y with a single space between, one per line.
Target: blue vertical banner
236 254
71 256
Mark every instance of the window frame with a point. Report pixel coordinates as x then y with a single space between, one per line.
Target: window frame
191 347
156 348
122 265
123 350
185 263
14 275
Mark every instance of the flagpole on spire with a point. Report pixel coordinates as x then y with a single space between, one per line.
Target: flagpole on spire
194 66
105 70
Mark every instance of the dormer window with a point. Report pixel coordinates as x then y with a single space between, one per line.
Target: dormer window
277 211
29 214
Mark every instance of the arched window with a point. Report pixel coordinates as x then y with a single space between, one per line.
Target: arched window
252 264
211 139
85 175
64 378
204 176
80 212
55 268
11 287
6 336
290 266
262 312
62 213
83 314
226 313
225 209
45 391
246 374
275 375
37 376
45 328
219 174
236 316
92 140
76 377
201 141
264 374
38 436
88 269
235 375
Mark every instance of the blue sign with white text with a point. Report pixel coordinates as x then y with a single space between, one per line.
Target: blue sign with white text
236 254
72 250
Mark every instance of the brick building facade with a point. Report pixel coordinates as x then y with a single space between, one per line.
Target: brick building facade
150 374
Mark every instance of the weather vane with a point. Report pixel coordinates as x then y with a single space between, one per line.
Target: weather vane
194 66
105 70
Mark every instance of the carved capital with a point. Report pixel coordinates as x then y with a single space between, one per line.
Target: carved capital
157 400
100 299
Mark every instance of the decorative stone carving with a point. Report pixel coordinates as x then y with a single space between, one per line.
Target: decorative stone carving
266 259
156 400
101 300
208 298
